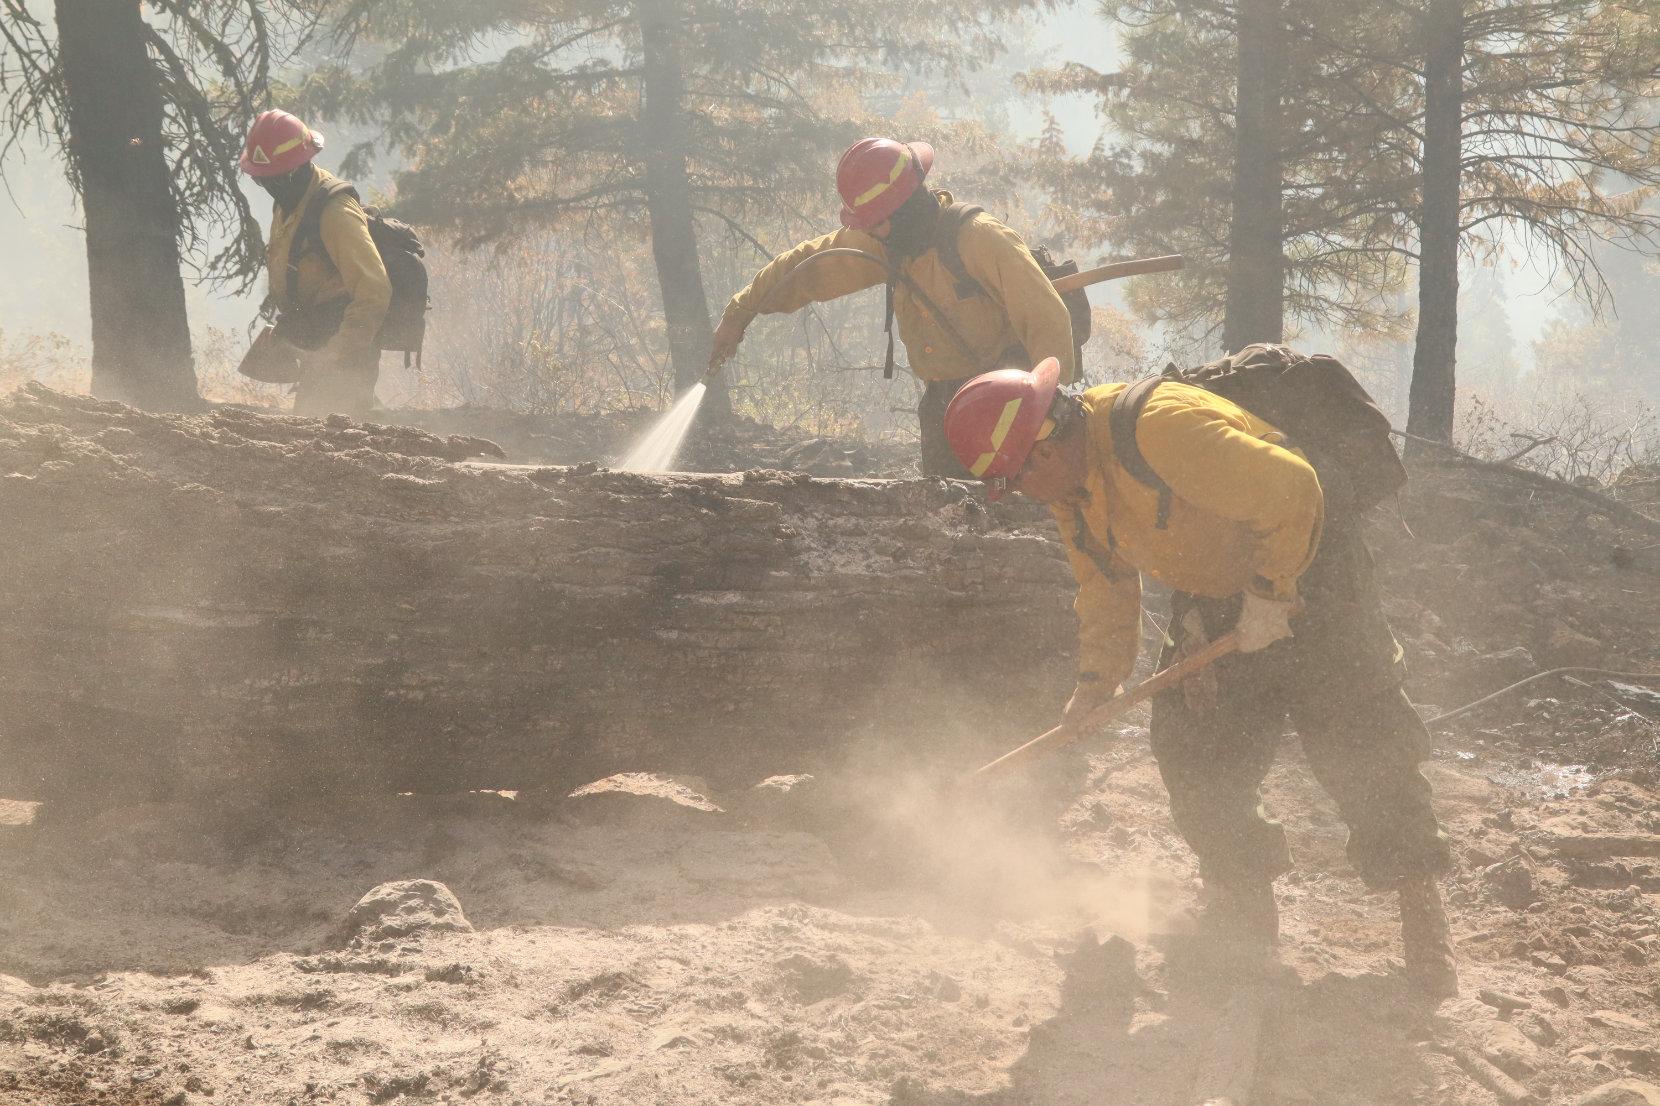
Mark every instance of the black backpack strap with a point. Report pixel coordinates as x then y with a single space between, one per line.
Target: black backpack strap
887 322
952 218
1121 420
1086 541
310 231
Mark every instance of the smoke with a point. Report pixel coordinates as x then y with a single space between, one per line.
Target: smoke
991 850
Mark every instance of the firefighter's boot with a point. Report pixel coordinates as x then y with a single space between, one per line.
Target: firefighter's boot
1240 914
1430 968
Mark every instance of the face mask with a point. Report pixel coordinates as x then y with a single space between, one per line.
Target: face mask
913 224
288 188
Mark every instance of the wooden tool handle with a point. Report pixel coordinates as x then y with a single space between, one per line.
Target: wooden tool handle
1167 263
1066 734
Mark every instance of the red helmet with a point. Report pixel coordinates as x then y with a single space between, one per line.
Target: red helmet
278 143
876 175
994 419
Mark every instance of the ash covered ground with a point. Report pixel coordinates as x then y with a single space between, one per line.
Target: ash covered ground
866 940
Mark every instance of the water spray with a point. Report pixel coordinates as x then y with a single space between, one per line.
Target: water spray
655 452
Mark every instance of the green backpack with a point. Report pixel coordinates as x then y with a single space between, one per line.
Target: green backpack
1315 400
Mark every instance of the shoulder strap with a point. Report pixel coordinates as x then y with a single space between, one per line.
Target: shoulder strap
1121 420
952 218
1085 541
310 230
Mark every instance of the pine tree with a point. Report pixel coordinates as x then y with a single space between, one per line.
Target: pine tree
148 115
1536 125
1277 237
695 113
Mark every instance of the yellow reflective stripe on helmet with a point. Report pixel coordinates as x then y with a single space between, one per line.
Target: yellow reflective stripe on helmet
1004 421
876 190
290 144
998 434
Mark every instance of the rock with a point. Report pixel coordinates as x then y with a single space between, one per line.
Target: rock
815 979
781 800
672 1038
1550 962
1510 882
1643 1060
1508 1049
407 906
1621 1092
1567 646
944 987
1099 973
1558 995
1613 1019
1538 1028
643 800
1503 1002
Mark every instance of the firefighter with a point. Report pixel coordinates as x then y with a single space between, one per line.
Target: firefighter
998 309
1245 542
327 278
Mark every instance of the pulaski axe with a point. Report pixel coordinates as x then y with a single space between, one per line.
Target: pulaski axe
1066 733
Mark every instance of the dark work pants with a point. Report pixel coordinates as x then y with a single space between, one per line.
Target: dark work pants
1338 683
937 458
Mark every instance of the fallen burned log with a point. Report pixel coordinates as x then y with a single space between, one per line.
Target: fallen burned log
235 604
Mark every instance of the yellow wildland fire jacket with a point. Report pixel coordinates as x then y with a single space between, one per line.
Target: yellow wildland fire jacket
1020 306
352 272
1246 515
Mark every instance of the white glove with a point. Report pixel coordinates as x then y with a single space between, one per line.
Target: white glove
1262 622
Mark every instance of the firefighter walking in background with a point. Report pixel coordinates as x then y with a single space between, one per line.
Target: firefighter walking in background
1169 478
967 293
328 282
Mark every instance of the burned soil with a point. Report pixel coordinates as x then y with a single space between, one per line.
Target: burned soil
223 928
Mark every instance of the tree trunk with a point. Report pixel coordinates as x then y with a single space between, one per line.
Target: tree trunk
1434 356
242 606
1256 237
140 329
674 249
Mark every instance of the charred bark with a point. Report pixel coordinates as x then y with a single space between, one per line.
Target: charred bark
1256 235
237 607
140 330
663 125
1435 352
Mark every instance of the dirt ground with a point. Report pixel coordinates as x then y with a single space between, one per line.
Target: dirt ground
892 940
632 949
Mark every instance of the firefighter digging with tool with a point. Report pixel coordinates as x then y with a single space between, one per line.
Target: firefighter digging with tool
327 277
967 293
1171 479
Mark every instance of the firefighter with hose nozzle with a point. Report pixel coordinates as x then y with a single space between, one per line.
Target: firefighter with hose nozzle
967 293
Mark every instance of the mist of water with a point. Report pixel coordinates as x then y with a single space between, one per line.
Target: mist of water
655 451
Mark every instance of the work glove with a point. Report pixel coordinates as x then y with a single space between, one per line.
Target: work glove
1088 695
1263 621
727 336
